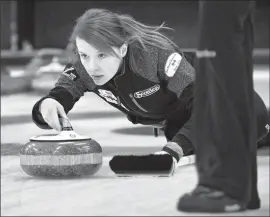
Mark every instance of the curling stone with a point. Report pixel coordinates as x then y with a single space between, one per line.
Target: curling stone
66 154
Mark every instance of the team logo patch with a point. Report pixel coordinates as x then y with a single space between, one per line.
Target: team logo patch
147 92
172 64
110 97
71 73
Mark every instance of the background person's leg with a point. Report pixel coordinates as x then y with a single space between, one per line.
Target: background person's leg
225 131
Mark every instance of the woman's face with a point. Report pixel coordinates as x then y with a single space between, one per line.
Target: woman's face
100 65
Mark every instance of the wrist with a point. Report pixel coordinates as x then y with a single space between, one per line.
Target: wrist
174 149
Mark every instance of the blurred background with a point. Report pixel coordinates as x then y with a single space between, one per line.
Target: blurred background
34 35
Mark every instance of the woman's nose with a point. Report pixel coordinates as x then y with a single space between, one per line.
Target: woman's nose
93 66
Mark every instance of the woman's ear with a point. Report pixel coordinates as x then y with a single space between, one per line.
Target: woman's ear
123 50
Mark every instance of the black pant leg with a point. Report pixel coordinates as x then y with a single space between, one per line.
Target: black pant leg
224 106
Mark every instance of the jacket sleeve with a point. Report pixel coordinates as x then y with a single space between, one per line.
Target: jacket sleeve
184 137
178 75
67 91
175 70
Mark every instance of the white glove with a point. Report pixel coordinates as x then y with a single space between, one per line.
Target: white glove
174 165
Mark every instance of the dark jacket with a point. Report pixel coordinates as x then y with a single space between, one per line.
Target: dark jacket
159 92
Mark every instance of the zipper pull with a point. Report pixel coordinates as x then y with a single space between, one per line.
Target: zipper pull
136 103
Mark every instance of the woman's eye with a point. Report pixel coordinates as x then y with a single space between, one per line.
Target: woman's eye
84 56
101 55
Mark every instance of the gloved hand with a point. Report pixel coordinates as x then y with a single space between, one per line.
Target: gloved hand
174 162
174 149
161 163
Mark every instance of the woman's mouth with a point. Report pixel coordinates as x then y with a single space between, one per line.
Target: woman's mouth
97 77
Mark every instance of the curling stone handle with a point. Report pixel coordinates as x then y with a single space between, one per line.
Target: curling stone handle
65 124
